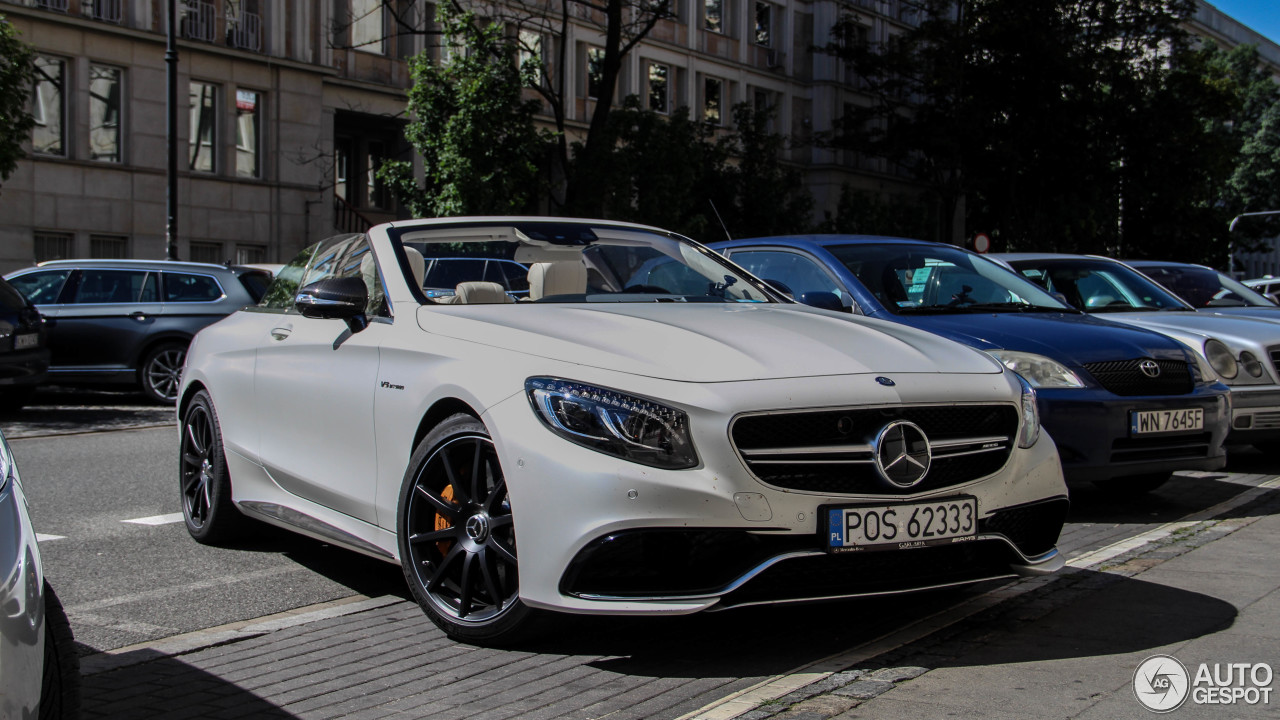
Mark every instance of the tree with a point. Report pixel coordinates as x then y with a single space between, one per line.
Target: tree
472 126
1020 111
769 196
17 62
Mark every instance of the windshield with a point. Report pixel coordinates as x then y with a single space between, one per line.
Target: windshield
927 279
1099 286
566 262
1202 287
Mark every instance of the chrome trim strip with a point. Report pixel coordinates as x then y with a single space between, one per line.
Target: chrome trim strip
878 593
810 462
747 576
962 453
277 514
812 450
961 442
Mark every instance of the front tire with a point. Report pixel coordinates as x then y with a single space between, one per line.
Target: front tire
60 682
457 536
211 517
161 372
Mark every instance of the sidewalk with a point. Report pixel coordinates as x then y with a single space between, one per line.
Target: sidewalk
1208 593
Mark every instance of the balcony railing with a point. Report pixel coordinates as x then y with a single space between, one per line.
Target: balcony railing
244 31
111 11
198 21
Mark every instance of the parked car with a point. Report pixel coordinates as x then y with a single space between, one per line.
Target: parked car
41 670
1241 352
442 275
1267 285
24 352
113 322
1208 290
665 440
1115 425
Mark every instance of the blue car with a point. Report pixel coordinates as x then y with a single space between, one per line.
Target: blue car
1125 406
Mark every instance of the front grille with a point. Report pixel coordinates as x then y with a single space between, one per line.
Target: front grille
1123 377
1034 527
1266 421
1275 358
829 451
1173 447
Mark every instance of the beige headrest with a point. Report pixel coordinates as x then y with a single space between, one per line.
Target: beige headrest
481 293
417 265
568 277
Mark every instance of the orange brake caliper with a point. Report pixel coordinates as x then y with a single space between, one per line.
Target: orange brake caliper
442 522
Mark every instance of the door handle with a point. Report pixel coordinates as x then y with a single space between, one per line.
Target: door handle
281 333
139 316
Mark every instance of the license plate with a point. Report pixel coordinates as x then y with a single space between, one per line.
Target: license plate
29 340
1150 422
901 526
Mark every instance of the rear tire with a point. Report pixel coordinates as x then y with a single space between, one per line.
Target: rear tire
161 372
457 537
60 683
211 518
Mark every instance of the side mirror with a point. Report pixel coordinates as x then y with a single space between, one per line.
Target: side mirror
823 300
342 298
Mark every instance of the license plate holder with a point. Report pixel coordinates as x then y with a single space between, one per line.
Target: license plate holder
900 526
26 341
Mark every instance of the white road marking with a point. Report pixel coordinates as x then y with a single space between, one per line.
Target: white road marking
41 537
744 701
157 519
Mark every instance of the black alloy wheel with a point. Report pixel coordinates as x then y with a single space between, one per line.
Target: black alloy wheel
161 372
210 515
457 535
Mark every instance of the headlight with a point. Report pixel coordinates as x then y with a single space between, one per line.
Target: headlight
614 423
1221 359
1251 364
1030 430
1040 371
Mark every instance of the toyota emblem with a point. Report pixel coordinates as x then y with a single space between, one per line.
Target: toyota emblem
1149 368
902 454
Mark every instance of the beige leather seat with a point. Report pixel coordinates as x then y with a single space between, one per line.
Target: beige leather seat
417 265
568 277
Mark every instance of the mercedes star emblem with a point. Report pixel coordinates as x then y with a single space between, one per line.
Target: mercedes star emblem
902 454
1149 368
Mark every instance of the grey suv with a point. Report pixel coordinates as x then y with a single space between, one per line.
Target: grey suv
113 322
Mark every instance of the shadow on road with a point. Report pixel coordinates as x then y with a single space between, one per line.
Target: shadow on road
166 687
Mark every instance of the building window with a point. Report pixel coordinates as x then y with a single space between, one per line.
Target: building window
204 125
108 247
712 100
530 56
105 10
244 25
367 30
342 152
764 24
595 71
198 20
206 252
49 106
53 246
248 133
104 113
249 254
713 14
659 84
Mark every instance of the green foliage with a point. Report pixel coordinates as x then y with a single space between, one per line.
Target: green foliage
16 70
472 126
865 213
769 197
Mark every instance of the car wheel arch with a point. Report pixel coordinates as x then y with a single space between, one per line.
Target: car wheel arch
157 341
188 393
439 411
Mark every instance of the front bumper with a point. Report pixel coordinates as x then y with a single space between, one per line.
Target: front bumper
600 535
1091 428
1255 415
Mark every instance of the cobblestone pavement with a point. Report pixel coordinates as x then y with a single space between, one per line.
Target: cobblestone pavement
382 658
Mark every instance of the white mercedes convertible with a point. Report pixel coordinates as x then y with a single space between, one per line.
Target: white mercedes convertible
650 430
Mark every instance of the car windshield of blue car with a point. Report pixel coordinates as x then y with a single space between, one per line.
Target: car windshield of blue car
1203 287
1100 286
559 262
911 279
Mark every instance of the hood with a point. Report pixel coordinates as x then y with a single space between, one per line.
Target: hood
1072 339
1236 331
703 342
1270 314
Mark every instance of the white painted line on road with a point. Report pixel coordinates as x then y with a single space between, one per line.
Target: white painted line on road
745 701
41 537
157 519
